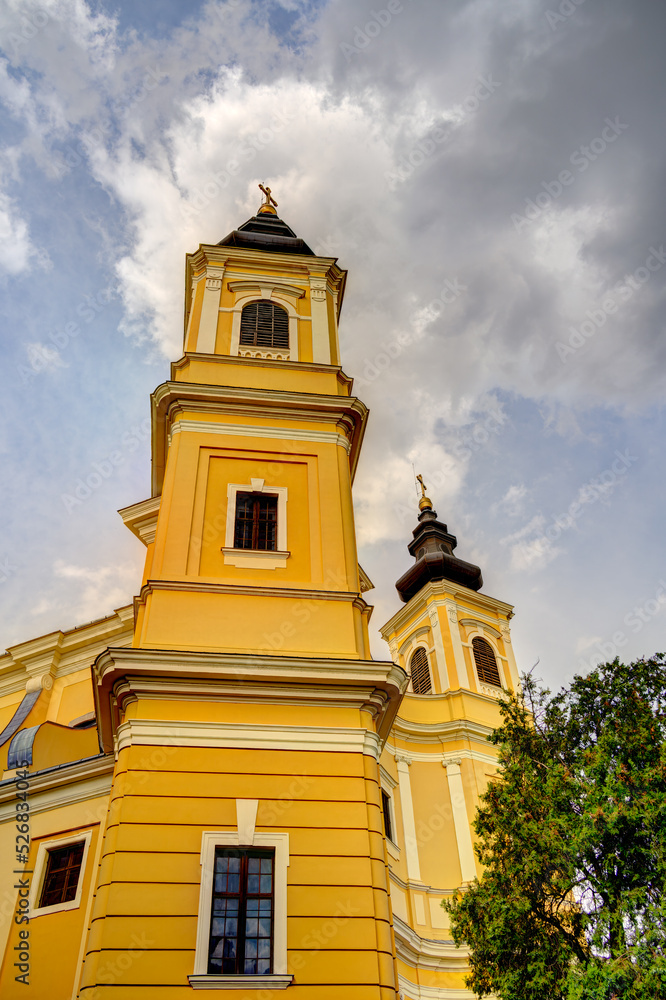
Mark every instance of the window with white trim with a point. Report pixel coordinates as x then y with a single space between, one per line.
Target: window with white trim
256 529
264 324
242 923
57 882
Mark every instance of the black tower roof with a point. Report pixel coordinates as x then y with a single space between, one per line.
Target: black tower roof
266 231
433 547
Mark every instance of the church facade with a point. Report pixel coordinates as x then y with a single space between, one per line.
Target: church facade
218 787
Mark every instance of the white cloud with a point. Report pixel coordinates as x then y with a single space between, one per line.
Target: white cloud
99 591
16 247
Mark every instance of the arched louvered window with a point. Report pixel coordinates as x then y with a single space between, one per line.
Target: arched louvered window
420 672
263 324
486 664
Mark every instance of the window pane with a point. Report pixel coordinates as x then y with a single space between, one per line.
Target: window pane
256 522
241 923
63 869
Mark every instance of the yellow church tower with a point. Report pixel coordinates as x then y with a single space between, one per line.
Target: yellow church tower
268 807
455 645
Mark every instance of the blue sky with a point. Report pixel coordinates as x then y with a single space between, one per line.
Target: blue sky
492 176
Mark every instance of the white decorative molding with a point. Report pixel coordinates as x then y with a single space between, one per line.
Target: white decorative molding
408 820
282 495
440 652
480 626
141 518
258 431
435 756
266 353
161 732
265 287
255 558
429 954
263 983
246 819
460 819
76 782
409 991
207 332
321 346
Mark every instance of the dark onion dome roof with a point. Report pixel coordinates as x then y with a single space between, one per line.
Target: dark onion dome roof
266 231
433 548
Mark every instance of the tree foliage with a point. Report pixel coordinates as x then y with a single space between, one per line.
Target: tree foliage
572 836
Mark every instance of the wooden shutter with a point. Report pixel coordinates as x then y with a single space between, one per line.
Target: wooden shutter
263 324
420 672
486 664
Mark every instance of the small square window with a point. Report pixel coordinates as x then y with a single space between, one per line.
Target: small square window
60 865
63 870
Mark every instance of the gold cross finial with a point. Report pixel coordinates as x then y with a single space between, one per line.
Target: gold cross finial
425 503
267 206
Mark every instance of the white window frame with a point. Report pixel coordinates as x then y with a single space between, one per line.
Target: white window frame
387 784
280 978
41 862
256 558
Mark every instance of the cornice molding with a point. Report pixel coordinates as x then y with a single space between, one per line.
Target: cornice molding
121 675
61 653
171 399
223 735
61 786
141 518
257 430
440 593
190 357
426 953
442 756
186 584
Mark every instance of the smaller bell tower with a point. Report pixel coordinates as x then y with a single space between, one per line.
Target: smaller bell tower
455 645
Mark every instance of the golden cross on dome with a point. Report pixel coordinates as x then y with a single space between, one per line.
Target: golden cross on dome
267 206
425 503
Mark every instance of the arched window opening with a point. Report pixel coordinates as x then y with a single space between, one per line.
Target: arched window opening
264 324
420 672
486 664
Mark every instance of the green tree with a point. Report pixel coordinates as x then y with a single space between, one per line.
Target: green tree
572 837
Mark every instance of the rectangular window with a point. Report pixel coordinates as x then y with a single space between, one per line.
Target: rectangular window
256 522
241 931
63 869
386 809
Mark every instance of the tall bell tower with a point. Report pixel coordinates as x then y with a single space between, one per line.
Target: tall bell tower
455 645
244 839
